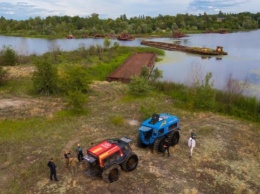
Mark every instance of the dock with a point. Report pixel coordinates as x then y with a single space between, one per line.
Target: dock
177 47
133 67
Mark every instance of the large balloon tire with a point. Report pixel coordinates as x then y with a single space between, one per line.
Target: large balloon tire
130 162
174 138
158 144
111 174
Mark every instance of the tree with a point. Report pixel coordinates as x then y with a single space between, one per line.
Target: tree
205 93
107 43
145 72
8 56
45 78
156 74
54 48
201 91
151 76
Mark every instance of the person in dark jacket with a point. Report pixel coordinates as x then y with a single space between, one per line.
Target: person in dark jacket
166 147
52 167
80 153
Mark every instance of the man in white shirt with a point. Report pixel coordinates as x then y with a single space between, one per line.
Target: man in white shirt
191 144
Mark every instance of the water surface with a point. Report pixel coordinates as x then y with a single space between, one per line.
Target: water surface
242 61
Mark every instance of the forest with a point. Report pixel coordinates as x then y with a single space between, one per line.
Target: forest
80 27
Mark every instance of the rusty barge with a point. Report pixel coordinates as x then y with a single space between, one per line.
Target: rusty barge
132 67
193 50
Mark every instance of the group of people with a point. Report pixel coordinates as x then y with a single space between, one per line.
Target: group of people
71 162
191 144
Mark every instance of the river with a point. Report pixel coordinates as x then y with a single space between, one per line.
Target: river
242 61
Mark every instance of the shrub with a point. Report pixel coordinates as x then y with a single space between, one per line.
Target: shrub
139 86
76 100
8 56
75 78
45 78
2 75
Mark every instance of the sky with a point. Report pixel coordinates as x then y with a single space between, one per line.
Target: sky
24 9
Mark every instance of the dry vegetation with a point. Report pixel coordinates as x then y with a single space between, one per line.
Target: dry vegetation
226 159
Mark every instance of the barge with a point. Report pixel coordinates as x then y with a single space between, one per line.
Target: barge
193 50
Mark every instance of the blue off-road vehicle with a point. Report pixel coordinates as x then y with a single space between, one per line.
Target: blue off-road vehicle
155 130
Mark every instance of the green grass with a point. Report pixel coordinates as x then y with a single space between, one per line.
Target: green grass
18 87
206 130
240 106
116 120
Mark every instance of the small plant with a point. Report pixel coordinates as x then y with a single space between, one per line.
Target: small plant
117 120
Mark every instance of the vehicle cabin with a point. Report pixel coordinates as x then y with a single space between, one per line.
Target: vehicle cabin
161 124
106 152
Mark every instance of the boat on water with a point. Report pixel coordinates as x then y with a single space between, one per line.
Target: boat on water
125 36
193 50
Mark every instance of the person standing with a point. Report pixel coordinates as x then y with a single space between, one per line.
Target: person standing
191 144
52 167
74 162
166 147
66 157
80 153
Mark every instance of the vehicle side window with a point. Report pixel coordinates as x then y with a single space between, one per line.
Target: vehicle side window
110 159
106 161
160 132
117 155
125 148
171 127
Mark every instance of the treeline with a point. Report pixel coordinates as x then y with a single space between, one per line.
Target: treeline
60 26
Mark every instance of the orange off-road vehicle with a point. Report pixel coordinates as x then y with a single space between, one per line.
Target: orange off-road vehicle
109 156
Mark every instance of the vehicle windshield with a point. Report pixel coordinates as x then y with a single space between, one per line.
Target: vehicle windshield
145 128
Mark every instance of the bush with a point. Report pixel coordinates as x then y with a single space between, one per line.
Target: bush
2 75
75 78
139 86
8 56
76 100
45 78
